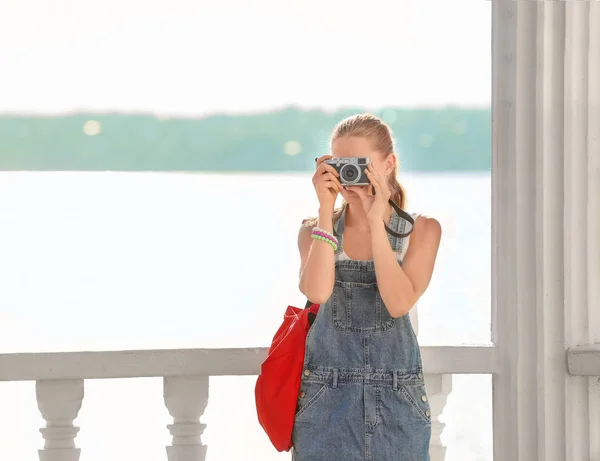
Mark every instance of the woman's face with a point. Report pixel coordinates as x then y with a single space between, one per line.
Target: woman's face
358 147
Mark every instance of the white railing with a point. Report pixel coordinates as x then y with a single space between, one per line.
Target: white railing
60 379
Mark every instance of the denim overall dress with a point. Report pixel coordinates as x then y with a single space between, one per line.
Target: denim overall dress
362 395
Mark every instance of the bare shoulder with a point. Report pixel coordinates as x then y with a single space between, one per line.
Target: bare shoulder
309 223
304 234
420 258
427 231
307 226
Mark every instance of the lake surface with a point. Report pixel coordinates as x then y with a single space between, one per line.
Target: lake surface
96 261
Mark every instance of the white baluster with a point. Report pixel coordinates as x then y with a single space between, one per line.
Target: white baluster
438 388
186 399
59 402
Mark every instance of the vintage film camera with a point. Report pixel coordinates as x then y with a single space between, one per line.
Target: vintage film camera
351 170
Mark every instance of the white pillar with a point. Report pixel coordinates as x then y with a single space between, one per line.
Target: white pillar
59 403
546 201
186 398
582 231
593 221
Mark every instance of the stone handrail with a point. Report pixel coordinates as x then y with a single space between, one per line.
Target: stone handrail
35 366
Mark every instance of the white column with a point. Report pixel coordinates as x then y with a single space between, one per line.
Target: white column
59 403
546 201
186 399
582 244
593 222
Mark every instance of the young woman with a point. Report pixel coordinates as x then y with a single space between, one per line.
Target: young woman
362 395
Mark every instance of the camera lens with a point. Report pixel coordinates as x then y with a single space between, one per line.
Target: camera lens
349 174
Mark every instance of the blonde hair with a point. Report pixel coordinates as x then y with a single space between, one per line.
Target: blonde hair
380 134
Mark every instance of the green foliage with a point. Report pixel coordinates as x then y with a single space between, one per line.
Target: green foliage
445 139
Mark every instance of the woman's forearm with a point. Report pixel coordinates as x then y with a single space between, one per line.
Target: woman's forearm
395 288
317 276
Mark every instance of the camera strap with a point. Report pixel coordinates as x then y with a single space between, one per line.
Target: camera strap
338 227
404 215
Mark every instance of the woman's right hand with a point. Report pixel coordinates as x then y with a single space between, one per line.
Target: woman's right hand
326 183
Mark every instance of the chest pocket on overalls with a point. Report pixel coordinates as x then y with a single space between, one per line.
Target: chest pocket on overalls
358 308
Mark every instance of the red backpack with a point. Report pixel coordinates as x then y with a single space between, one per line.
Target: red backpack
278 384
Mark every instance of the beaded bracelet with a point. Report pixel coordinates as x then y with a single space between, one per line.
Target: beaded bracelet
323 235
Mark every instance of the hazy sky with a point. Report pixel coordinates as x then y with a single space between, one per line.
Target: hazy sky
192 57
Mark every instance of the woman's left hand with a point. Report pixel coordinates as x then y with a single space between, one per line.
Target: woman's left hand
375 206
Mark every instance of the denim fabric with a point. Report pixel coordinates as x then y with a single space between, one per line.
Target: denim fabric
362 395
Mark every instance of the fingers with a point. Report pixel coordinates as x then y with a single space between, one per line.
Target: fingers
326 179
331 184
377 187
374 170
333 178
324 168
321 159
327 176
359 190
376 184
377 180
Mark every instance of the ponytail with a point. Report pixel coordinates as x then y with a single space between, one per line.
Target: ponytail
398 194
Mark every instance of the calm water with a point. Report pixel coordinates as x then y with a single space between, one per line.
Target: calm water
118 260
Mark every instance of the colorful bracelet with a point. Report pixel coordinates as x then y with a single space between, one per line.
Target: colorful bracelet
323 235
